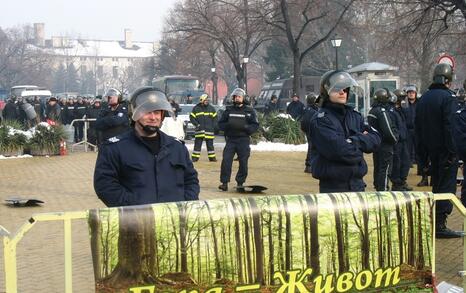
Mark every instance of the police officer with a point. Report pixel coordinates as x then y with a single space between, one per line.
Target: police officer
459 135
295 109
113 120
79 112
204 118
309 112
238 122
144 165
339 137
434 115
93 112
53 110
381 117
401 160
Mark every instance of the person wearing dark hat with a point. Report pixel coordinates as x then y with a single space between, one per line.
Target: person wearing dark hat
238 122
340 137
79 112
272 106
295 109
145 165
53 110
434 115
113 120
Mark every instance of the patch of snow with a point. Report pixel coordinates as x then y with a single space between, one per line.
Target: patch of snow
15 157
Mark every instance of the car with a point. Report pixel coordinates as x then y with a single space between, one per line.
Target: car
184 114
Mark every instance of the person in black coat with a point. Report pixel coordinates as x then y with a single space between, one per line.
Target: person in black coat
11 110
238 122
434 115
309 112
113 119
204 118
340 137
145 165
382 118
272 106
93 112
295 109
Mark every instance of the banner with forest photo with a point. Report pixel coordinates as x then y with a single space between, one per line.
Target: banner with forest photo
336 242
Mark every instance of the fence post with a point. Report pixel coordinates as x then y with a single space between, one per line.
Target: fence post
9 259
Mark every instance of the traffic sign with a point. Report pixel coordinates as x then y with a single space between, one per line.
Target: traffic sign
446 59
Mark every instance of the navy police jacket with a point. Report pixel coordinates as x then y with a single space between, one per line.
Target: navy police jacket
127 172
238 121
338 144
433 121
112 123
459 132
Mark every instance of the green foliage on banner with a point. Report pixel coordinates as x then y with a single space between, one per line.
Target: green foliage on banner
324 243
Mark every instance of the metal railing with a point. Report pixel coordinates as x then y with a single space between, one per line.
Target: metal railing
10 242
84 141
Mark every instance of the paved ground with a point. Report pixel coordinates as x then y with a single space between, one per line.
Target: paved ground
65 184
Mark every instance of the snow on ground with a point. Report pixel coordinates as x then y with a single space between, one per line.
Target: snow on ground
264 146
15 157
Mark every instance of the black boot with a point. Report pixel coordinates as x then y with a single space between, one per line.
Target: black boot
424 181
240 187
308 170
223 187
194 159
397 187
443 232
212 159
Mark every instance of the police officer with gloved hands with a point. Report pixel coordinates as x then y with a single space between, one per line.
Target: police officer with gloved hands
238 122
381 117
339 137
434 119
145 165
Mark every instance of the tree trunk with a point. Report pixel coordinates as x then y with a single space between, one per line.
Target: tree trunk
287 235
271 247
420 250
340 237
281 262
133 252
399 224
96 233
183 230
365 243
312 210
247 235
410 217
218 273
297 72
256 220
238 242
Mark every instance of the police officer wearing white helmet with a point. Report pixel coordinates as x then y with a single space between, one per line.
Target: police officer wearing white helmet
145 165
238 122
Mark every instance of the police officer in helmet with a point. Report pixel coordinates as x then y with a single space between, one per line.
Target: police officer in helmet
434 115
339 137
381 117
238 122
145 165
113 120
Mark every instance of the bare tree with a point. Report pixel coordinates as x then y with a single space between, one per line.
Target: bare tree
235 24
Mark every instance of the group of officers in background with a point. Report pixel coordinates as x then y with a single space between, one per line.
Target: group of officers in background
107 117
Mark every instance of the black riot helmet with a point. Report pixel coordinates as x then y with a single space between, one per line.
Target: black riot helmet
443 73
335 80
112 92
382 96
400 94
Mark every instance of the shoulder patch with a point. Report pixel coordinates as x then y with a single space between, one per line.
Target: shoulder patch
124 108
113 139
382 109
179 140
320 114
459 111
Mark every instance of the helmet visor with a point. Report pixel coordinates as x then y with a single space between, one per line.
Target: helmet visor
148 102
343 81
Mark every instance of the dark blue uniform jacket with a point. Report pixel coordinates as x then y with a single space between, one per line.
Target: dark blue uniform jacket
238 121
112 123
434 115
127 172
459 132
338 144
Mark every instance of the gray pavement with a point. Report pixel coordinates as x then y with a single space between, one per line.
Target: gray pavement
65 184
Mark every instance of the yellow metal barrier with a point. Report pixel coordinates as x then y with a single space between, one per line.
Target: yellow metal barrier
10 242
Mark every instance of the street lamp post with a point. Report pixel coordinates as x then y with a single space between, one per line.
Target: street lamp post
245 68
214 85
336 42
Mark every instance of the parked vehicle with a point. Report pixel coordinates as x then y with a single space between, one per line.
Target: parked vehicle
178 87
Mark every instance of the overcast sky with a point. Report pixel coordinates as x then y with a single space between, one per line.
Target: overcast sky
90 19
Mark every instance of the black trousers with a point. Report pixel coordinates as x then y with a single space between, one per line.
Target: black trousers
412 146
239 146
308 155
463 189
383 158
443 181
78 131
198 147
401 163
352 185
